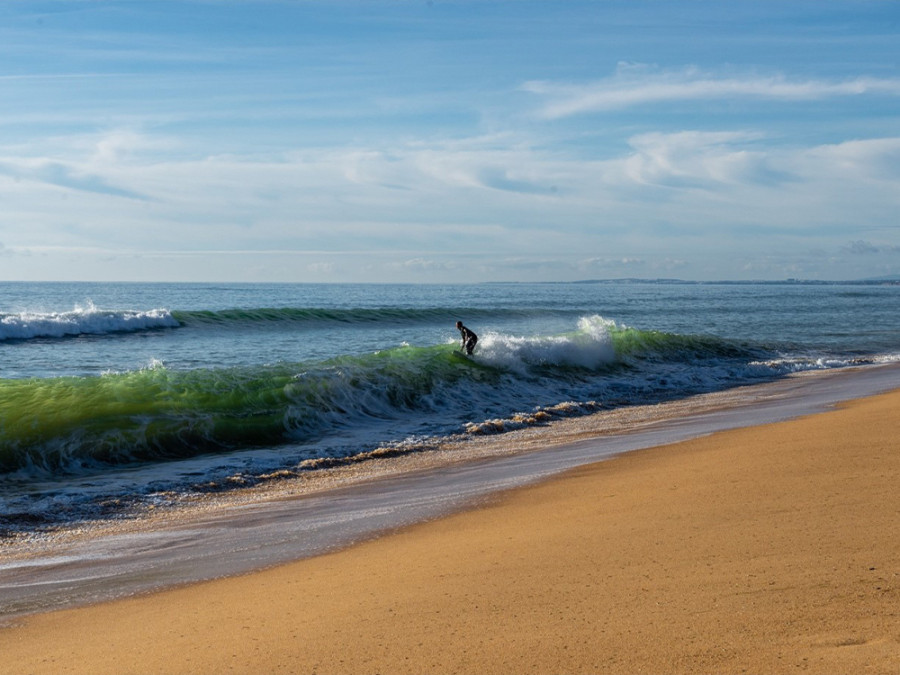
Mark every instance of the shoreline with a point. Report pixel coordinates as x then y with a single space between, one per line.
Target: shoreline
763 548
228 535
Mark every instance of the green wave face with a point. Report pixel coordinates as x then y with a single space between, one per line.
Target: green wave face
631 343
134 416
157 413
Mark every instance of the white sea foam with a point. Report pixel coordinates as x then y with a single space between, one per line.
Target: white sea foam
83 320
591 346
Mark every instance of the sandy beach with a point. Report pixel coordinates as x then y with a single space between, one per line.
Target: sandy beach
769 549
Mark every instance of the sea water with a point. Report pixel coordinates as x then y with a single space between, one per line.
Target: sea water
114 397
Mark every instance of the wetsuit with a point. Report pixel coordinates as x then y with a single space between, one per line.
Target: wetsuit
468 338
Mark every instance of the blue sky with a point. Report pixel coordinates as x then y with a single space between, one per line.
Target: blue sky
448 141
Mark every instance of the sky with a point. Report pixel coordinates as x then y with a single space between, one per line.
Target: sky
448 141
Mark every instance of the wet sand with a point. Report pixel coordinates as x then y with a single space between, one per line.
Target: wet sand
768 549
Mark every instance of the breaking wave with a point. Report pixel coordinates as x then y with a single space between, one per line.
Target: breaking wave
70 424
87 320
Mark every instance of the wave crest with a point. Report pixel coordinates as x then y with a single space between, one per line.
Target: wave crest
590 347
87 320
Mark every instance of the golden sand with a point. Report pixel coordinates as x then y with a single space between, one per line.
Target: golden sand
772 549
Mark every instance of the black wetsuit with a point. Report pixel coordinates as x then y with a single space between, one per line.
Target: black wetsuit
468 339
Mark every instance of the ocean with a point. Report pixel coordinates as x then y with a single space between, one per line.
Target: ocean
117 397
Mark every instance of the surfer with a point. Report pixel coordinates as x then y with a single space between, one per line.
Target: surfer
468 337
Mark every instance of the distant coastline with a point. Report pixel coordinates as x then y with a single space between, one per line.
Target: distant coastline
893 280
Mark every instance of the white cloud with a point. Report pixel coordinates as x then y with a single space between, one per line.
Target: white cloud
639 86
694 159
423 265
318 268
860 247
867 248
119 145
876 159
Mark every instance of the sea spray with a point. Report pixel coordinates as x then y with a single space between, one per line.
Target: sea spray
590 347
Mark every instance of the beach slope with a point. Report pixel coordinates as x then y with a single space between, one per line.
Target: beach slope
770 549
